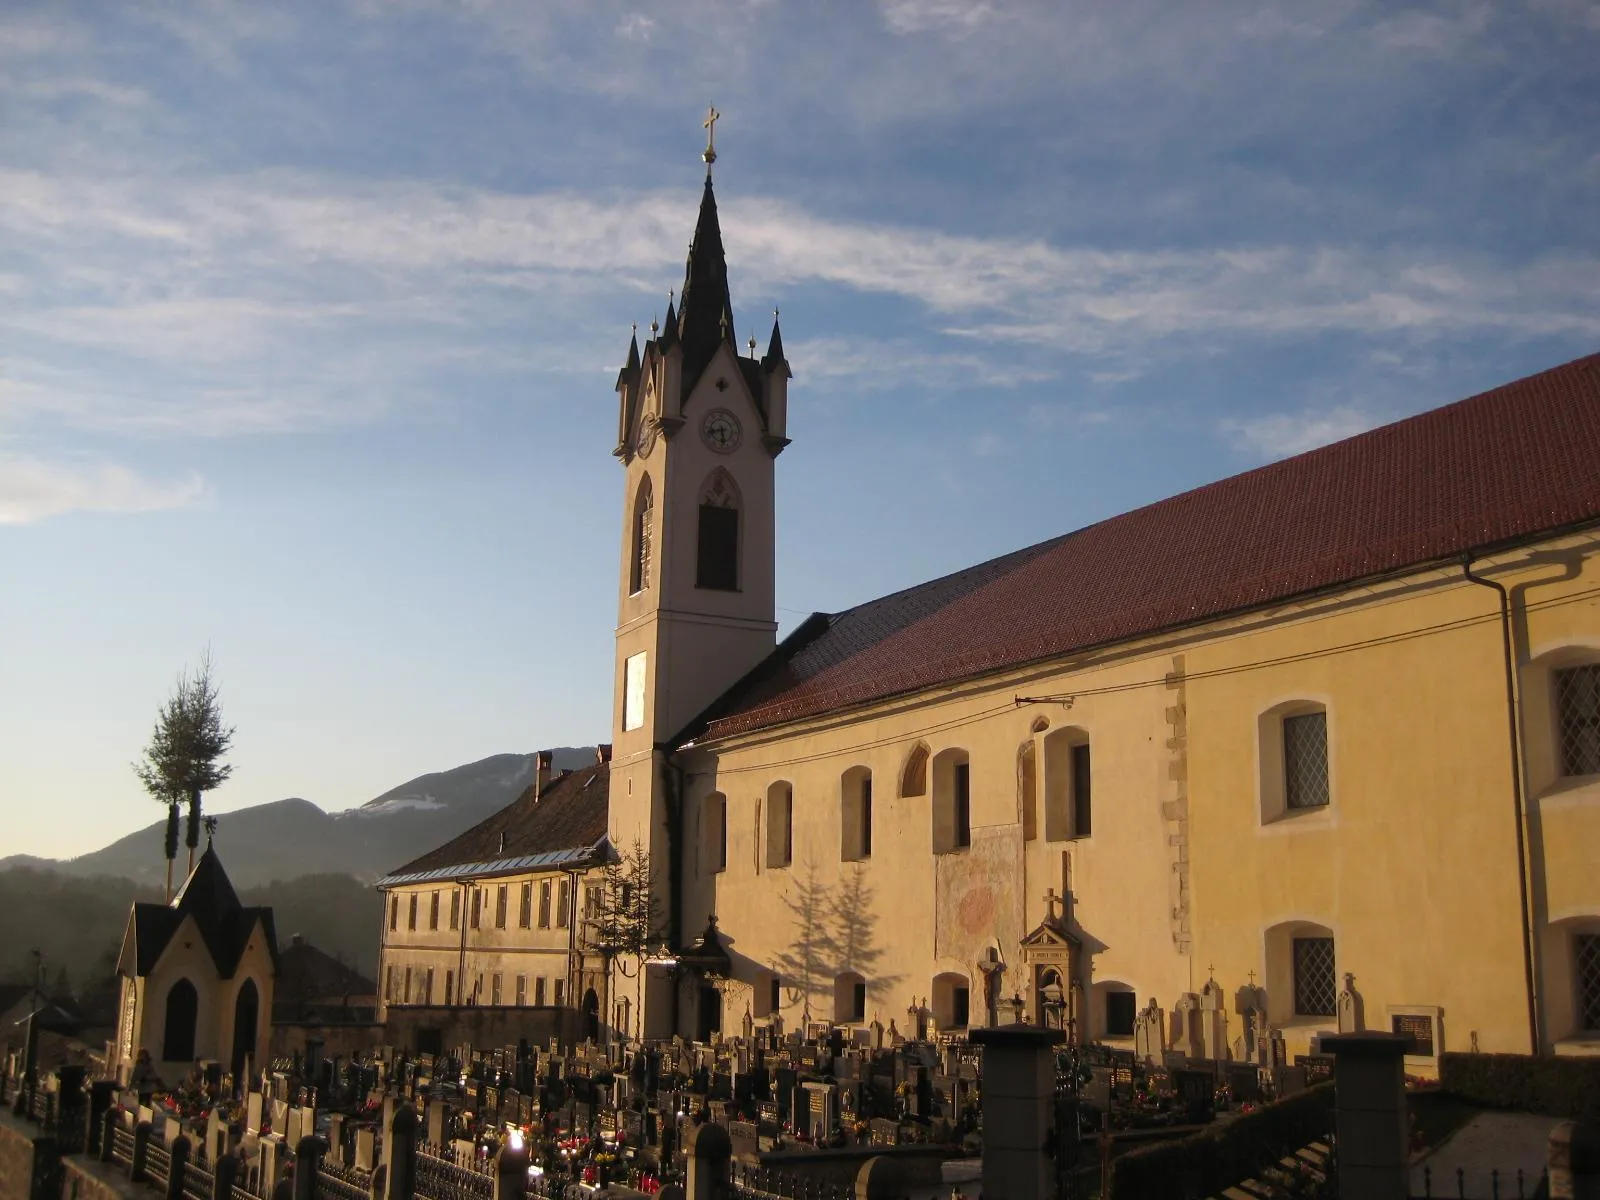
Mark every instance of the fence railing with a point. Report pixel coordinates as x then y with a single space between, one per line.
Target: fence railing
752 1182
438 1179
1501 1185
342 1183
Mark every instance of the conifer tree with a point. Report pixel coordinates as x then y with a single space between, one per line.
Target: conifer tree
183 759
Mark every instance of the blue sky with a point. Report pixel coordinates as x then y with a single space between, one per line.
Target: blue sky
309 315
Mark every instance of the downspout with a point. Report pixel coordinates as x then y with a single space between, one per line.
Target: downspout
1518 802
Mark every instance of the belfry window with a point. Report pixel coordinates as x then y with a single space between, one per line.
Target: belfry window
643 537
717 551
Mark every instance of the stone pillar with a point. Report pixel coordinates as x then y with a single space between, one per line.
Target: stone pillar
1019 1077
308 1154
108 1134
224 1173
138 1167
709 1152
1370 1114
511 1170
880 1178
178 1149
400 1153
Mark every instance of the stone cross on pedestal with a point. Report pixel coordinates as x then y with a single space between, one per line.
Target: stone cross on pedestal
1050 902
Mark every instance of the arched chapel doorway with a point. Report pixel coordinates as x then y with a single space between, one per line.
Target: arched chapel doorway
246 1013
177 1031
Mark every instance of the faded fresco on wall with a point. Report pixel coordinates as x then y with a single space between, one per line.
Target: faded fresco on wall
978 897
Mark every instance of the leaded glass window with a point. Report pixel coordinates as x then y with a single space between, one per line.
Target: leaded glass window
1586 970
1315 993
1578 719
1305 760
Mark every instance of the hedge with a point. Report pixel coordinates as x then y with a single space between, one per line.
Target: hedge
1553 1087
1225 1154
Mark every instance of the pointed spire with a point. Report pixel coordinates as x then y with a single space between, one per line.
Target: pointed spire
706 310
633 351
774 353
669 328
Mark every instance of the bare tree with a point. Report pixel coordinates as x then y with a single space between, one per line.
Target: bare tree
183 759
629 923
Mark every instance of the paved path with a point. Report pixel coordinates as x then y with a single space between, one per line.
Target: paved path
1490 1141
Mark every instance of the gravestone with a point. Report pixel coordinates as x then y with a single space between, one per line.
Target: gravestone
1244 1082
1214 1021
1150 1033
252 1113
366 1150
1186 1037
1349 1006
820 1110
1288 1081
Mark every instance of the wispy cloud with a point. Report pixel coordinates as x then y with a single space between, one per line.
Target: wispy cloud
32 489
1281 435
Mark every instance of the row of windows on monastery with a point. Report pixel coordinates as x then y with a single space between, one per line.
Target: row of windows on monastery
405 985
1293 740
489 904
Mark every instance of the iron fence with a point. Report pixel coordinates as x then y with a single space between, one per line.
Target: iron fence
437 1179
158 1162
122 1147
1461 1184
754 1182
342 1183
198 1183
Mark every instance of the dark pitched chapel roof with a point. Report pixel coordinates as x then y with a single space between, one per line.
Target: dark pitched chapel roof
561 827
1505 466
224 923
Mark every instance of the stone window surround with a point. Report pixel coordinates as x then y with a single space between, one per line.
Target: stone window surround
1272 811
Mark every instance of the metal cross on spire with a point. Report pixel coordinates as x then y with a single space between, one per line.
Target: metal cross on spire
710 126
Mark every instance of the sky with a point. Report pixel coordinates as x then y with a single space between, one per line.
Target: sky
310 316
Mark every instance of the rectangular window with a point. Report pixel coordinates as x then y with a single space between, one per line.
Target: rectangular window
522 990
1119 1014
775 999
561 992
449 988
406 995
455 908
1578 719
538 991
427 986
1081 805
633 672
1305 760
1586 973
544 905
394 913
411 912
494 993
433 911
563 899
388 984
717 561
525 915
963 798
866 817
500 907
591 902
858 1002
959 1013
1315 992
477 905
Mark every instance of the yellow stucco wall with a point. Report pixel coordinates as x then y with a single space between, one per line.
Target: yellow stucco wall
1412 866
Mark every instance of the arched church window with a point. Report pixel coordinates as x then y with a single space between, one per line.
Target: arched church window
177 1033
914 775
952 801
717 551
855 814
643 536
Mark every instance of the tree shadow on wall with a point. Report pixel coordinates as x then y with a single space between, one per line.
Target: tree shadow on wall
834 931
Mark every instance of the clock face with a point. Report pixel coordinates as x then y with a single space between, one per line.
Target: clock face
720 431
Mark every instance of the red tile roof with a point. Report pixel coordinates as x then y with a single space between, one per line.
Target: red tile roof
1510 464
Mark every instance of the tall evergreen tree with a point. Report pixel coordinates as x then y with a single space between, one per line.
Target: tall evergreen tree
183 759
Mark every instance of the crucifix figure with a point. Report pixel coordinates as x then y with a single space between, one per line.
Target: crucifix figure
710 126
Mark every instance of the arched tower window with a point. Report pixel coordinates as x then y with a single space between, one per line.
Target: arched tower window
643 536
717 551
177 1033
952 801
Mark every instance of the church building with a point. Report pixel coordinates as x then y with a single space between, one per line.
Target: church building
1315 747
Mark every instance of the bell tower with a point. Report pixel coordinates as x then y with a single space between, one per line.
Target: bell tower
699 427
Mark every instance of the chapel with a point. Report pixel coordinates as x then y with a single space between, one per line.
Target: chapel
1312 748
197 981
